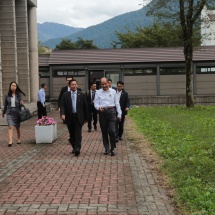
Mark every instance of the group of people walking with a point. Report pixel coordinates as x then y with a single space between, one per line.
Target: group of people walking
77 108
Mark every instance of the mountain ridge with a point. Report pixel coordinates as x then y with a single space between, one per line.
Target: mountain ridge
103 34
51 30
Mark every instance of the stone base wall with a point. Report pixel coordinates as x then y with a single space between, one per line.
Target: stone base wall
171 100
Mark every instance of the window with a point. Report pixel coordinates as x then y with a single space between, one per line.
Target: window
172 70
44 74
76 73
139 72
201 70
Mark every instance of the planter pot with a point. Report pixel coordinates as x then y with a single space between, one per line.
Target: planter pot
45 134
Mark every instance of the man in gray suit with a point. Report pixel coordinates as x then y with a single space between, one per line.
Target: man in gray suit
74 111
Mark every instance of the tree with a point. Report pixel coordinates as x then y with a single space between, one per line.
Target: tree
43 49
157 35
79 44
85 44
65 44
188 15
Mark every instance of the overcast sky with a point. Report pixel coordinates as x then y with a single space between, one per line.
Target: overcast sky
83 13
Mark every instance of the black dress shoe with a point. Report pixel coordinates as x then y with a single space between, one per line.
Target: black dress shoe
106 152
117 140
18 142
77 153
89 130
112 153
10 144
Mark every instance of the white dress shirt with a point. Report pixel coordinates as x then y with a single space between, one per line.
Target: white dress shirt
13 101
107 99
119 93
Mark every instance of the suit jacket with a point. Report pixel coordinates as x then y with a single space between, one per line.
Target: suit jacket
81 107
124 102
7 103
64 90
89 101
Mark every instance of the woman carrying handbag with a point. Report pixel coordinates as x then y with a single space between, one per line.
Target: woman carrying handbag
12 105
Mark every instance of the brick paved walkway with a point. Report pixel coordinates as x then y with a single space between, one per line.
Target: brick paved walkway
49 179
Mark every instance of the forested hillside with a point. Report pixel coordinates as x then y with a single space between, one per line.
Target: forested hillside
104 33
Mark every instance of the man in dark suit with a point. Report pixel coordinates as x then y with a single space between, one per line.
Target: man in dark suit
74 112
124 104
110 84
90 95
65 89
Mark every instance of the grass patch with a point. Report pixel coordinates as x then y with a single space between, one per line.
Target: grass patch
185 141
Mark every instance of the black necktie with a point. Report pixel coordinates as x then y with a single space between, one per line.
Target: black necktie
93 95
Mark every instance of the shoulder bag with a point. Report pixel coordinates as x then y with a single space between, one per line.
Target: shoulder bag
24 113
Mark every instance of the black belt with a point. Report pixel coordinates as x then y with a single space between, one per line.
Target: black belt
107 108
40 102
74 114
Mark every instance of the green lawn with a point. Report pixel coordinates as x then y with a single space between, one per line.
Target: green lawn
185 140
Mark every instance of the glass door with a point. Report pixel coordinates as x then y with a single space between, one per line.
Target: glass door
96 75
114 76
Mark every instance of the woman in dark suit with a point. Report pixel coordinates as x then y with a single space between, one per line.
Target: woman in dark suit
12 105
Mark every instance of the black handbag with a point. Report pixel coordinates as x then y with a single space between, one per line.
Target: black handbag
24 114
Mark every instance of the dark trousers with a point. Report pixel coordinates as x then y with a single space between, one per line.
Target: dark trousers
120 127
75 133
107 120
41 110
92 116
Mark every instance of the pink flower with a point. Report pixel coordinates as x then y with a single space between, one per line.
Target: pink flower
46 121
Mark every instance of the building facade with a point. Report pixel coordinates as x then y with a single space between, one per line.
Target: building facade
18 47
152 76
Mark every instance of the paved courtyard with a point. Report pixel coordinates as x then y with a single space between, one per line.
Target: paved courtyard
48 179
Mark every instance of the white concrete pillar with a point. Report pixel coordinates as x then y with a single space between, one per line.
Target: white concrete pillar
23 48
33 53
8 43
